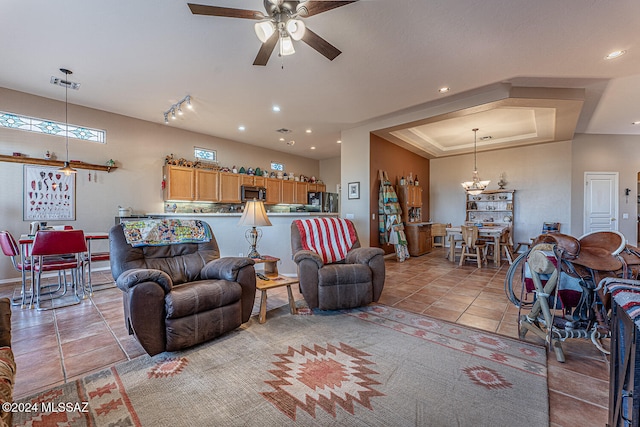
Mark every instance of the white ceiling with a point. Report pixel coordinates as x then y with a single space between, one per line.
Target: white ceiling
136 58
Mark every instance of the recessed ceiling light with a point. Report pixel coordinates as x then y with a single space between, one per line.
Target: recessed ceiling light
282 139
308 131
241 128
313 148
485 138
338 142
276 109
637 122
615 54
292 142
444 89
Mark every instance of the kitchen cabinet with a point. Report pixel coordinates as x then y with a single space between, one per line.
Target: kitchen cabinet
301 190
410 198
288 192
419 240
246 179
206 185
274 190
229 187
315 187
259 181
190 184
179 183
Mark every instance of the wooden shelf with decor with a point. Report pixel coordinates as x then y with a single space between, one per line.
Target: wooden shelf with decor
491 207
59 163
410 198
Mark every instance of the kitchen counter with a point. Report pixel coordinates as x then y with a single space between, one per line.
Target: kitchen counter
275 241
223 214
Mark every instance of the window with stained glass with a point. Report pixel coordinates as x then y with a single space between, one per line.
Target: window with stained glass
32 124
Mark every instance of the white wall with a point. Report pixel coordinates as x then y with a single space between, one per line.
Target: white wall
330 173
607 153
540 174
139 149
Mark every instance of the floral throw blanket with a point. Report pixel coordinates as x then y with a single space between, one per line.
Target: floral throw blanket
160 232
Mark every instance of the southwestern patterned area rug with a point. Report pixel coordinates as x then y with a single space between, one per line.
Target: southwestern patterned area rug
374 366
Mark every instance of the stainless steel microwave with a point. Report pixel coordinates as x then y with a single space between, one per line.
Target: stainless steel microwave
248 192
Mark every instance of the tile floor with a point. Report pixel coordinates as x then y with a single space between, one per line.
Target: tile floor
55 346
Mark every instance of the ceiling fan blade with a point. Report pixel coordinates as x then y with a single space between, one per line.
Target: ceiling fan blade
320 44
266 49
201 9
314 7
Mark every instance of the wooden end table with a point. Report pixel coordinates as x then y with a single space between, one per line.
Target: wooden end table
275 281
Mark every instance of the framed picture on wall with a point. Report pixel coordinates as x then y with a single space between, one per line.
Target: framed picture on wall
354 190
49 195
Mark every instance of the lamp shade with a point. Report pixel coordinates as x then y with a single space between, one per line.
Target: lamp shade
296 28
264 30
286 46
254 215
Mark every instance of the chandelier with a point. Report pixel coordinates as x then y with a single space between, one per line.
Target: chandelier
475 186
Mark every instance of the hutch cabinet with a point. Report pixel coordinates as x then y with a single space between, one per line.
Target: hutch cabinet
491 207
410 199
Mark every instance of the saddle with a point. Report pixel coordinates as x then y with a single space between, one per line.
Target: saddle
597 251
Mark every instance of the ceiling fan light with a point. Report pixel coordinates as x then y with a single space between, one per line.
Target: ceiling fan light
264 30
286 46
296 29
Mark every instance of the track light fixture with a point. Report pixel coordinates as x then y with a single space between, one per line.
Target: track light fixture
177 108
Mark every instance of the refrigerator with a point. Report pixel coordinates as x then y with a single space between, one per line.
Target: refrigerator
323 201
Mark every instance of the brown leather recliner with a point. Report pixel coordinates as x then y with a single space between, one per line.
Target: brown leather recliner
353 282
179 295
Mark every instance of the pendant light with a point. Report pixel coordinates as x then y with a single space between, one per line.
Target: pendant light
475 186
66 169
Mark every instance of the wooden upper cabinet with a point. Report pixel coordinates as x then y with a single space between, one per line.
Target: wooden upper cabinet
288 192
207 185
246 179
259 181
301 189
315 187
274 190
229 187
179 183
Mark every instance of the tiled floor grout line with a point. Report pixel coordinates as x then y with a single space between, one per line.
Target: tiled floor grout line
109 328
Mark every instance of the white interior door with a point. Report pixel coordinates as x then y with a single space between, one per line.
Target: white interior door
600 201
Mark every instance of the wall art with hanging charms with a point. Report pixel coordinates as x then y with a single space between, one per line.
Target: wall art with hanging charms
48 194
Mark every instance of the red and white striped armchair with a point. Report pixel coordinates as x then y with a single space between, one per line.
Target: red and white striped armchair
335 272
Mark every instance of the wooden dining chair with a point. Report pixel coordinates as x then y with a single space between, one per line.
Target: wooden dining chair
472 247
439 234
69 245
506 247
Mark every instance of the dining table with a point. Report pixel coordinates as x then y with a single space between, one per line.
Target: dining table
25 242
492 231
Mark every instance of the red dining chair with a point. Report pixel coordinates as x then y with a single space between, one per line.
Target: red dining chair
22 264
87 260
47 243
11 249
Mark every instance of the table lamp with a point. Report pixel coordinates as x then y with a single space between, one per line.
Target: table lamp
254 216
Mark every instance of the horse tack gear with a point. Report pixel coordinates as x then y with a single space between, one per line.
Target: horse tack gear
566 273
597 250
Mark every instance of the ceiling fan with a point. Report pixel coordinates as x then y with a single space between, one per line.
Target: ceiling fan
282 22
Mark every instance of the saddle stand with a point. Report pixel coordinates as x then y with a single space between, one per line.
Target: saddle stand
565 275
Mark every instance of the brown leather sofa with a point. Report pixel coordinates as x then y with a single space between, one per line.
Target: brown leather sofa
179 295
353 282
